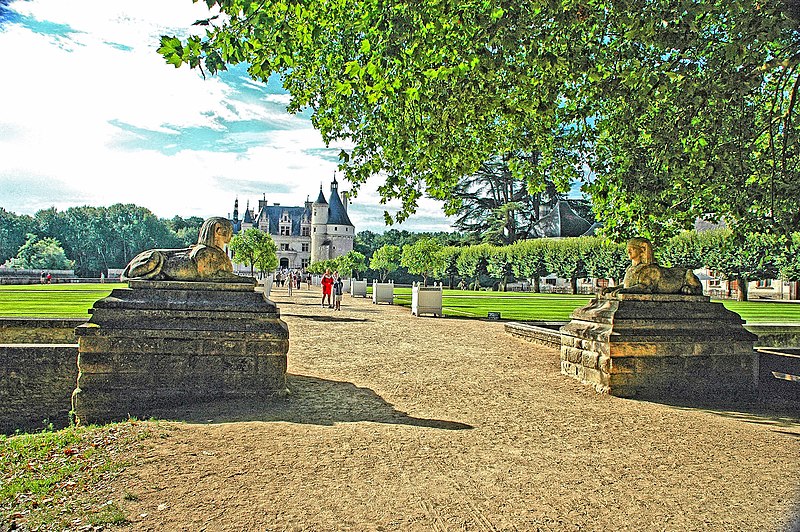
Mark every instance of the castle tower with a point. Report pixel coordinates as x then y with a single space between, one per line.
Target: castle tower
340 230
320 248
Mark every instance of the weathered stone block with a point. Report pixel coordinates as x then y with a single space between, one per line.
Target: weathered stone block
167 343
651 344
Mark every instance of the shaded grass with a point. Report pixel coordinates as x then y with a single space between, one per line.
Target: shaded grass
54 480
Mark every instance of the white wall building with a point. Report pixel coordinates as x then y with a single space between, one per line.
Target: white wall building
313 232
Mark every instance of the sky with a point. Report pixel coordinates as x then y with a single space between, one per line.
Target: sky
92 115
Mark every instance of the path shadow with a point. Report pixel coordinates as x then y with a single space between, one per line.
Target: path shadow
326 318
763 410
312 401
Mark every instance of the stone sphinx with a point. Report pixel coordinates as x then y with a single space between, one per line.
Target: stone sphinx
645 276
205 261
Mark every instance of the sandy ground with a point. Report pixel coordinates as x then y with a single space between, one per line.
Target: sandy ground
404 423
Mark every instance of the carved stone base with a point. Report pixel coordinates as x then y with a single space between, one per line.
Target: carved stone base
164 343
659 345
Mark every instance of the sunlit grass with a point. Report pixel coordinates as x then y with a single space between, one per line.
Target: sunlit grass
527 306
68 300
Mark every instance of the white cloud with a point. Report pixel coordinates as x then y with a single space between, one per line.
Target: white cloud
82 101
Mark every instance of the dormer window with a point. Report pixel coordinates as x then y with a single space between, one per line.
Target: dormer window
285 227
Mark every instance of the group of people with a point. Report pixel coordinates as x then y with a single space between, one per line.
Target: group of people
289 278
332 286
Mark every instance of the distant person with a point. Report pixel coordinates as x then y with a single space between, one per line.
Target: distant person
49 278
43 278
338 290
462 285
290 282
327 285
102 277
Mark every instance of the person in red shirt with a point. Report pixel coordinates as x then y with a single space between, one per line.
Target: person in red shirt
327 283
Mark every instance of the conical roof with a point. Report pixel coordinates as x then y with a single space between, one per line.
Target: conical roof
321 197
337 214
562 221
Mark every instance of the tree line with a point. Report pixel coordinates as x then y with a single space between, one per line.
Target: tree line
756 257
89 240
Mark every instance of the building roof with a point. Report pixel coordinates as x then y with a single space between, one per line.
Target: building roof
562 221
248 216
337 214
274 213
321 197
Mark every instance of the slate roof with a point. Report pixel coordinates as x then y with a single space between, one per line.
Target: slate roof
321 197
562 221
273 214
337 215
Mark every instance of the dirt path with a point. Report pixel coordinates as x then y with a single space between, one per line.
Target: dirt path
404 423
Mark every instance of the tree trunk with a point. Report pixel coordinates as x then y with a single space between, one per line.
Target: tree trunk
742 284
573 283
537 284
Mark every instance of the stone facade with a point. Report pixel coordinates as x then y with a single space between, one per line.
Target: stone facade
316 231
656 345
36 382
39 330
164 343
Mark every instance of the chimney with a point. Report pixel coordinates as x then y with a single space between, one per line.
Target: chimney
345 196
262 202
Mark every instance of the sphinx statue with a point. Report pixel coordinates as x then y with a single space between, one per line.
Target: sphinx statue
645 276
205 261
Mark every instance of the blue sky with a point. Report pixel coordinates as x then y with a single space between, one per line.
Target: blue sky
92 115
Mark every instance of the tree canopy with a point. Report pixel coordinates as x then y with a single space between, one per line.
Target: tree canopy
670 110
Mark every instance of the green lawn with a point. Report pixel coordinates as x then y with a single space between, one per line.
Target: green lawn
526 306
74 300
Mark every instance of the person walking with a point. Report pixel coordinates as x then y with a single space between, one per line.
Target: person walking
327 284
338 290
290 282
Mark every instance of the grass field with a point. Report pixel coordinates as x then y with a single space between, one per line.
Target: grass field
71 300
74 300
526 306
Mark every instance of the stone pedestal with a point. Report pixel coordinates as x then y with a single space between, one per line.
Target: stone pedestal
163 343
659 345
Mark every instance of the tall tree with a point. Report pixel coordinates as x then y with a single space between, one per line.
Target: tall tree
423 258
675 112
13 232
496 206
254 247
41 254
385 260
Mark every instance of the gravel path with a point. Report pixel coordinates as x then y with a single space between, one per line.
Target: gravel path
404 423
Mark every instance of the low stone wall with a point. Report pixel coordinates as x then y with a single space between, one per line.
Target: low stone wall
775 334
544 333
39 330
36 384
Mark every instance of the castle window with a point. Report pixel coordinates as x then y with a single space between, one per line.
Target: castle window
284 247
286 230
305 262
305 246
335 228
304 231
